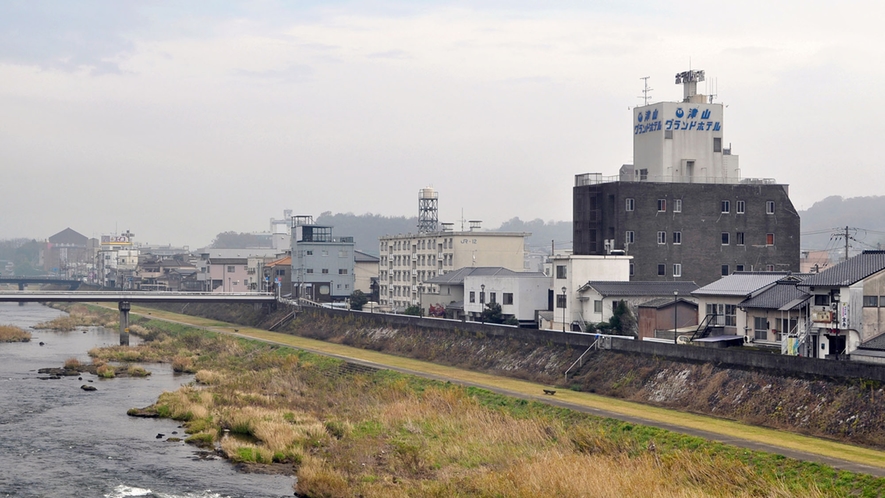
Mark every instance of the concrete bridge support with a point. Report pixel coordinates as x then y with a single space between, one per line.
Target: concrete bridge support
124 306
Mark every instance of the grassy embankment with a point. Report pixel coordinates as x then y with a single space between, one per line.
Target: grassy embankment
11 333
388 434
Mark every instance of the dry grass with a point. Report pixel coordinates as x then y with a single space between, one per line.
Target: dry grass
11 333
73 363
388 435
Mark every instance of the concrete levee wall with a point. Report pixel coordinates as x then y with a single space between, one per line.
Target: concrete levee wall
735 357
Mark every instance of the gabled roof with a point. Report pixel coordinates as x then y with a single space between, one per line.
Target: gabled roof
622 288
287 261
457 277
848 272
364 257
741 283
69 236
663 302
783 295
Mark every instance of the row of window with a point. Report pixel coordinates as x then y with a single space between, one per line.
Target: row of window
507 297
725 206
726 270
630 238
422 245
341 271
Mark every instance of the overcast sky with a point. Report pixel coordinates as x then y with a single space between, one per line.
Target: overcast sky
179 120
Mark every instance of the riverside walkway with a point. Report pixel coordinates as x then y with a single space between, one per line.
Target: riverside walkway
838 455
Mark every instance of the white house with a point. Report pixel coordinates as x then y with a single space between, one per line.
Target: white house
571 272
467 291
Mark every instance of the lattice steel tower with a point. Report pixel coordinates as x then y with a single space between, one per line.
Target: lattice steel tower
428 210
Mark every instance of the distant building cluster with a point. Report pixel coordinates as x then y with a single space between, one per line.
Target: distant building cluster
676 247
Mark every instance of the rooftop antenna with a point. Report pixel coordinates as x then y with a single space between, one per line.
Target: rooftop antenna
462 220
713 93
645 90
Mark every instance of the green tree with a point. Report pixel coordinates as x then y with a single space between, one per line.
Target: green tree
622 322
492 313
358 299
413 310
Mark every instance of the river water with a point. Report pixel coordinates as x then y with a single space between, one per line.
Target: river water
57 440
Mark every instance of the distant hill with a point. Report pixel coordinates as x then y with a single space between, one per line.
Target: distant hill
864 217
367 228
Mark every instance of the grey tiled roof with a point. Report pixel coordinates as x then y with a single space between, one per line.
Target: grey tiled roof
664 301
457 277
778 296
740 283
849 272
620 288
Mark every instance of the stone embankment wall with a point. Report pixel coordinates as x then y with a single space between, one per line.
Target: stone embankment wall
817 397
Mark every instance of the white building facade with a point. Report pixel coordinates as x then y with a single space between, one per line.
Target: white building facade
407 261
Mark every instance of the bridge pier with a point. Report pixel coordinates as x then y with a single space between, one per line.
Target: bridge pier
21 287
124 306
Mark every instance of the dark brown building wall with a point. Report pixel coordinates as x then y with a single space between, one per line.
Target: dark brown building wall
600 213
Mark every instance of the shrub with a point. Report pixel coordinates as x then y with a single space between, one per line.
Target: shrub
106 371
11 333
135 371
73 364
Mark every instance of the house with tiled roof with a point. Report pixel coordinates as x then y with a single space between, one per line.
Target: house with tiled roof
777 315
848 305
721 299
600 298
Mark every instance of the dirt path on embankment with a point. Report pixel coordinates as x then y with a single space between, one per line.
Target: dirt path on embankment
835 454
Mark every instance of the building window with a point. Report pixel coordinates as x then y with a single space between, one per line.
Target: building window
677 205
662 270
821 299
662 205
740 207
724 270
760 328
727 311
739 238
325 270
677 238
668 134
717 144
630 203
560 271
560 301
739 268
769 267
230 269
507 298
726 238
870 301
662 237
342 271
632 269
597 306
629 237
769 239
309 270
308 252
677 269
726 207
643 175
492 297
472 296
769 207
281 273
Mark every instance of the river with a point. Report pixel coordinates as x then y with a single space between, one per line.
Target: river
57 440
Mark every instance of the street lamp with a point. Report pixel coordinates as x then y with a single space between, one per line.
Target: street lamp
563 308
675 313
482 301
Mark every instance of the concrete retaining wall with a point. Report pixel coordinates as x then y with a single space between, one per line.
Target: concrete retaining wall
735 357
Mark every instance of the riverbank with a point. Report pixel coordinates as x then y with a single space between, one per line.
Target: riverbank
847 410
385 434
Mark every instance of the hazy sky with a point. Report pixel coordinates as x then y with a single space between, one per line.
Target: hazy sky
178 120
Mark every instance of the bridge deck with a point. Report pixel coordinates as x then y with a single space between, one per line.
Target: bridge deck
134 297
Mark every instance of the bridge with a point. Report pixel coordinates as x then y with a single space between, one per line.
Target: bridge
125 298
22 282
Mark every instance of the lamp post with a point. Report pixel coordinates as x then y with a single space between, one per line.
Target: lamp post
482 302
564 303
675 313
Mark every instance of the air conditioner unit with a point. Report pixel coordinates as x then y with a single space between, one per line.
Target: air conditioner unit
822 316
